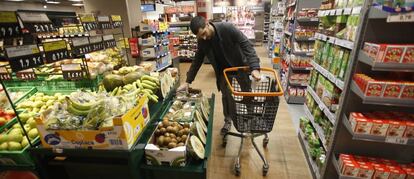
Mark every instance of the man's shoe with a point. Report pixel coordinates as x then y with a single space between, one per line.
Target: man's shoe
226 128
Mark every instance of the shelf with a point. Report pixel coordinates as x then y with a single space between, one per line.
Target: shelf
294 99
304 39
331 116
305 147
382 12
307 19
339 12
62 36
310 54
372 138
288 33
338 82
336 166
298 84
156 45
317 128
381 100
333 40
300 68
377 66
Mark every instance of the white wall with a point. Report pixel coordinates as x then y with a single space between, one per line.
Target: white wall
13 6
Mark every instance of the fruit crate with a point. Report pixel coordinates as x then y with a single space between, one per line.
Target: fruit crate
193 169
16 158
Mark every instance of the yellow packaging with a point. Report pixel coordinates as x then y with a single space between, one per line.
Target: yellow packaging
122 135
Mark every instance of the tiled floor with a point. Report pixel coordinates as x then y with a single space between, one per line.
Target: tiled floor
283 152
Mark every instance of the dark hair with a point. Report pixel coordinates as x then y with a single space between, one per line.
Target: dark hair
197 23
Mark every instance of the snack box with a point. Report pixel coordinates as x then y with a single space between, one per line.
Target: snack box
379 127
360 124
409 131
121 136
350 169
396 128
396 173
407 91
387 53
381 172
366 171
392 90
408 56
374 88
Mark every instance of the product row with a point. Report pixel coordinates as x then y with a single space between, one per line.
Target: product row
296 91
319 118
298 78
302 32
316 151
390 53
327 91
308 12
300 61
332 58
305 47
338 4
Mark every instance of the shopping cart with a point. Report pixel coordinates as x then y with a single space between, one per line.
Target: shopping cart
253 107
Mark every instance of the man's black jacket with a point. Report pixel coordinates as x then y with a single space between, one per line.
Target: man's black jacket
237 50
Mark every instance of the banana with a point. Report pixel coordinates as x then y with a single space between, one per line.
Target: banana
148 82
81 106
113 93
149 91
78 112
153 79
140 84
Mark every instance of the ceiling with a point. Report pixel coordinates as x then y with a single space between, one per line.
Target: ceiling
60 2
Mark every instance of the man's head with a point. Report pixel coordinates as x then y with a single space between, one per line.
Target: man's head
201 28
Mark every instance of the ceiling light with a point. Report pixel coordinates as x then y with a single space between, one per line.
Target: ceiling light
76 0
15 0
77 4
53 2
44 6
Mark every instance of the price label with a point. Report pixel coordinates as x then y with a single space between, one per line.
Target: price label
104 22
356 10
33 17
340 84
26 75
347 11
338 12
320 13
116 21
55 51
87 17
401 17
8 17
9 30
81 45
109 41
396 140
72 71
332 40
4 74
96 43
24 57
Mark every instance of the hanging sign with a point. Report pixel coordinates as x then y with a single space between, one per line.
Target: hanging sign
96 43
104 22
36 22
9 26
24 57
109 41
4 74
116 21
26 75
72 71
88 22
55 51
81 46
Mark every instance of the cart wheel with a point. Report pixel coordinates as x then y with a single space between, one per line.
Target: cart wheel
237 169
265 169
265 142
224 142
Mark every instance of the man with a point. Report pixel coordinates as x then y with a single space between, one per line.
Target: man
225 46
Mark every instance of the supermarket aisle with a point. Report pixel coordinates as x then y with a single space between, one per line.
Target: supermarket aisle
284 154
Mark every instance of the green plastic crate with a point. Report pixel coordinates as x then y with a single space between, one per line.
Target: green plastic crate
18 158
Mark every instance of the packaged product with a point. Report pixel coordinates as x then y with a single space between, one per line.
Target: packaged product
360 124
350 169
391 53
337 62
343 158
374 88
407 91
292 92
392 90
320 85
325 53
379 127
314 78
366 170
396 128
409 131
300 92
381 172
396 173
344 65
408 55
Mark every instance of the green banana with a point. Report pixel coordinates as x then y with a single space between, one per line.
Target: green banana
153 79
80 106
148 82
147 86
140 84
149 91
113 93
78 112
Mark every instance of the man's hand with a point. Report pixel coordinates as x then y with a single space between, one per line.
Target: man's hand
256 75
183 87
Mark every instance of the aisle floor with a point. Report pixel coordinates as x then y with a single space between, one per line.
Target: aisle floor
283 152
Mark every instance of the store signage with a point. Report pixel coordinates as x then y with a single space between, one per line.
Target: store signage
179 9
26 75
24 57
4 74
116 21
88 22
133 44
81 46
72 71
9 26
109 41
396 140
36 22
55 51
96 43
171 10
401 17
104 22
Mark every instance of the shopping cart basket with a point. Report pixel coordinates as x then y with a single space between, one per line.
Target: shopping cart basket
253 107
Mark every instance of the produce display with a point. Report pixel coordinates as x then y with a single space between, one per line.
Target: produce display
385 124
326 90
320 118
390 53
316 150
14 139
370 167
385 86
6 111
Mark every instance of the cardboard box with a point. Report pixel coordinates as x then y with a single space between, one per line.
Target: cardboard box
374 88
381 172
121 136
350 169
409 131
379 127
366 171
396 128
360 124
390 53
392 90
164 156
408 55
407 91
396 173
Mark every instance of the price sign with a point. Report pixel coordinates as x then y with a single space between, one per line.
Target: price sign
81 45
4 74
396 140
104 22
72 71
109 41
26 75
340 84
356 10
339 12
36 22
88 22
347 11
96 43
9 26
55 51
116 21
401 17
24 57
332 40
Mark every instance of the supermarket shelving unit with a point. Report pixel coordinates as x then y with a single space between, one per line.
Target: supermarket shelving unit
275 33
288 47
373 27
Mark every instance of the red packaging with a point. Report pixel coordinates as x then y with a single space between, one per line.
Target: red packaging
396 128
392 90
408 55
350 169
381 172
374 51
360 159
407 91
409 131
379 127
367 47
390 53
374 88
366 171
410 174
396 173
360 124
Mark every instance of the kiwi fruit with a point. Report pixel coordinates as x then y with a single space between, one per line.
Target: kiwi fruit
163 131
160 140
180 144
173 136
167 140
170 129
172 145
